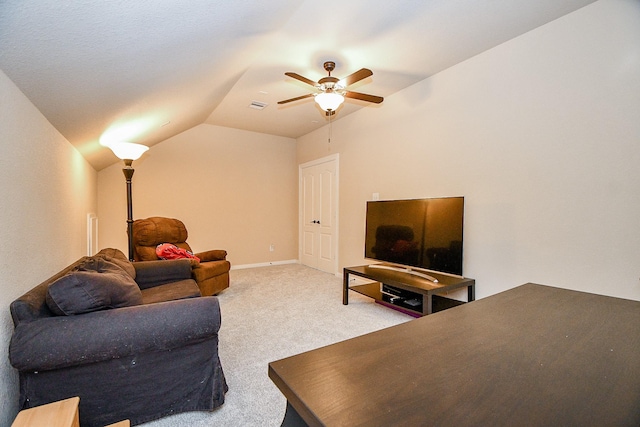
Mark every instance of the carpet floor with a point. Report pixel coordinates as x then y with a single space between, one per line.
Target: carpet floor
269 313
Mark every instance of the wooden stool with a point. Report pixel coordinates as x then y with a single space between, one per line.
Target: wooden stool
63 413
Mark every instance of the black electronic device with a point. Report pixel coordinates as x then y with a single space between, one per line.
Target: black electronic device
421 233
401 297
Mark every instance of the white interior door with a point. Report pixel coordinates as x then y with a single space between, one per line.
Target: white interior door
318 214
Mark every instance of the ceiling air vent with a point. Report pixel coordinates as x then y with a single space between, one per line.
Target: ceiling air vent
258 105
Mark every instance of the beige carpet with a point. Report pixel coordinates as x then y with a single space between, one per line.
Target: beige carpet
269 313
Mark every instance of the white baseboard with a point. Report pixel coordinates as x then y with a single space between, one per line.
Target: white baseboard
264 264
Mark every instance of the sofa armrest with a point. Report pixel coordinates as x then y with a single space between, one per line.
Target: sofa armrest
154 273
212 255
63 341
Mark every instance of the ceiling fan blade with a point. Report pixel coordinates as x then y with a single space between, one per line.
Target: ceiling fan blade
301 78
357 76
364 97
296 98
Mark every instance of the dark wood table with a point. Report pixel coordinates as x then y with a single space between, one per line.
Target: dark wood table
533 355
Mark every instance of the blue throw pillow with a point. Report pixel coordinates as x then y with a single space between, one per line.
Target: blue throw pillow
98 286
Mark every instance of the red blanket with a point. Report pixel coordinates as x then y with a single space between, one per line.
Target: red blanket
171 251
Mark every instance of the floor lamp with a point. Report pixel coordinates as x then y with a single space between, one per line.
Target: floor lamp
128 151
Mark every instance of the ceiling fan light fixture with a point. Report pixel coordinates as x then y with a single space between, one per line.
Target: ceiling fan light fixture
329 101
331 91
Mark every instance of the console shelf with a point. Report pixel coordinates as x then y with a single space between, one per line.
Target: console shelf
407 292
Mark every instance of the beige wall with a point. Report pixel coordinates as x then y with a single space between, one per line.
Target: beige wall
47 189
541 136
233 189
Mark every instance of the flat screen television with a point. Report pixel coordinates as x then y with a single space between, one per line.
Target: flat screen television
421 233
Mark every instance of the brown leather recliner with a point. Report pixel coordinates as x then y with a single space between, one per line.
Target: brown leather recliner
211 273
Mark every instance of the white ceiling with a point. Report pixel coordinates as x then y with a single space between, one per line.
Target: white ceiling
146 70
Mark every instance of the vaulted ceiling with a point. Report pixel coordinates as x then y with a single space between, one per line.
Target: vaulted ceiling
145 70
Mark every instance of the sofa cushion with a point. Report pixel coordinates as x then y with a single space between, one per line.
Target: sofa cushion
160 272
146 253
212 255
120 259
155 230
151 232
86 289
171 291
209 269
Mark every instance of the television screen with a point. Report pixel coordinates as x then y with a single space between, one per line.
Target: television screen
423 233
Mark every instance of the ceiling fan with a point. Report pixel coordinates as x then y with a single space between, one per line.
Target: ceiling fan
332 91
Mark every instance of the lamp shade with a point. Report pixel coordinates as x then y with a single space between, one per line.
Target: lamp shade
128 150
329 100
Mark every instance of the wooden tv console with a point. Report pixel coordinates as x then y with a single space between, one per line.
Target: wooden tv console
419 294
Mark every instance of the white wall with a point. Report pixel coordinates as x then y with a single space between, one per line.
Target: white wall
47 189
233 189
540 134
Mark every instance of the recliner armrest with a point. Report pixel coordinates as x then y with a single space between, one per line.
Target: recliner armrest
63 341
212 255
155 273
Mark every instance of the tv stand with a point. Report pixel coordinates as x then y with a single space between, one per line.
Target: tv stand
404 270
404 290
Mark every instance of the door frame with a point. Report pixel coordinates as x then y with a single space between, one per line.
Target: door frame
331 158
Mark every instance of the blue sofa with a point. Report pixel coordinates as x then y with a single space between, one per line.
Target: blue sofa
133 340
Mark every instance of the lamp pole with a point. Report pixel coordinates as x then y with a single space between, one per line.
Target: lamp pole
128 151
128 174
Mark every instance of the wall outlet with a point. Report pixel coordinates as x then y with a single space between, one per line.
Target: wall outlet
272 247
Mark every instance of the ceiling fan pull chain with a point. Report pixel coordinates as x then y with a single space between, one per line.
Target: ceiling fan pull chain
330 128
